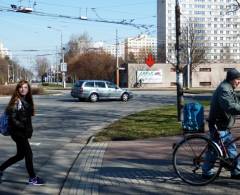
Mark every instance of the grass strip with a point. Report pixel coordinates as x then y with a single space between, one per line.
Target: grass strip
156 122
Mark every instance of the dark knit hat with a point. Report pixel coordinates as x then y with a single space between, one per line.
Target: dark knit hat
232 74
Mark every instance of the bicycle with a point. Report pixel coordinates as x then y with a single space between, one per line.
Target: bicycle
189 156
138 84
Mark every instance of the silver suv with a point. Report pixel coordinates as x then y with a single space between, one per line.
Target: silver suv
95 90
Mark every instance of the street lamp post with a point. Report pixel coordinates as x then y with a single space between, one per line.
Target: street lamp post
62 55
117 63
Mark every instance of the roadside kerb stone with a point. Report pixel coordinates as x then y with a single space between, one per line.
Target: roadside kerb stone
83 178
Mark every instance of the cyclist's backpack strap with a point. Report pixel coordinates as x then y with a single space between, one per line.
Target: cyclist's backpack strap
193 118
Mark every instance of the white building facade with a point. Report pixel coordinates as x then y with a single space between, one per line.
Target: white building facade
4 52
140 47
216 27
111 48
164 75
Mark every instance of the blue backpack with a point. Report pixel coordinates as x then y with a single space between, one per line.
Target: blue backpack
193 118
4 124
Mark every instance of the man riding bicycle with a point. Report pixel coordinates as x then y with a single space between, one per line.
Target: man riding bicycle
224 106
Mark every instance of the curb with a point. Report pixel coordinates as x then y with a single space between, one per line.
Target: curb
89 140
83 177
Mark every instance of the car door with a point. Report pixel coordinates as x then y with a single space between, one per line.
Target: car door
113 90
101 89
88 89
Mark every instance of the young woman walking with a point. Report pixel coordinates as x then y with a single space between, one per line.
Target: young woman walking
20 110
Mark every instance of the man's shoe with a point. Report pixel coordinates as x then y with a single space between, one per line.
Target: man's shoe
36 181
235 176
204 176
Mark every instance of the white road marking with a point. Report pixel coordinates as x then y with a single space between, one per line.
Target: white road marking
35 143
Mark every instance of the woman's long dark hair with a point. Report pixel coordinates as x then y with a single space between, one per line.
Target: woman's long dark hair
16 95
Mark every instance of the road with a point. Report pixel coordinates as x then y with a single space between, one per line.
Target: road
62 125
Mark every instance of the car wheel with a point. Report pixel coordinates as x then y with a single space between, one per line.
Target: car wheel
93 97
125 97
80 99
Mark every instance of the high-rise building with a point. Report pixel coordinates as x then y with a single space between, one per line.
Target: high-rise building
140 47
111 48
4 52
215 26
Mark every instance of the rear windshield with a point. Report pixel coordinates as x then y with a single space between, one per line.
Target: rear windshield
78 84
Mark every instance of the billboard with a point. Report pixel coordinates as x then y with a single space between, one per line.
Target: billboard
149 76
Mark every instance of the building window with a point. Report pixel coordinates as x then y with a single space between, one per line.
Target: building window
204 69
204 84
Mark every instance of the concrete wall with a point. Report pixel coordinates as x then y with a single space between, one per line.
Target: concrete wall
217 74
205 75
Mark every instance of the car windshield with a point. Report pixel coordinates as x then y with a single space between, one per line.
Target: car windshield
78 84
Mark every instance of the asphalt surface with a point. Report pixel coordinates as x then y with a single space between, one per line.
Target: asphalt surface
127 167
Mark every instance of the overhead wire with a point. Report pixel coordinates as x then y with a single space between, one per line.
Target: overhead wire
100 20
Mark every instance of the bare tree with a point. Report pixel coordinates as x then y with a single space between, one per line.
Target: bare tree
234 6
42 66
78 44
131 58
3 70
193 49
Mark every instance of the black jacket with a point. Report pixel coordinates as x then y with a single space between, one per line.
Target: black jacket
20 120
224 106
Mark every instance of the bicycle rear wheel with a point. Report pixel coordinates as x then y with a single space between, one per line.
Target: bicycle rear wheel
190 155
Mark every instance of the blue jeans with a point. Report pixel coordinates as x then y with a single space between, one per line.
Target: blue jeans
226 137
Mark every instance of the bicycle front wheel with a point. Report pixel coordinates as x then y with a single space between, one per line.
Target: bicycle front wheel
190 155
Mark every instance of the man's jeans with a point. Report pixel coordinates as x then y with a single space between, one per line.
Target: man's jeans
226 137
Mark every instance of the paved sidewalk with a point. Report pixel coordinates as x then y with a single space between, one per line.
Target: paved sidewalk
112 168
135 167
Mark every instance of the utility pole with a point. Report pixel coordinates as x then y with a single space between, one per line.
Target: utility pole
8 76
63 65
117 64
63 71
57 65
179 77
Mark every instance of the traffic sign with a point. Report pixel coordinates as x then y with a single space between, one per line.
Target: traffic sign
63 67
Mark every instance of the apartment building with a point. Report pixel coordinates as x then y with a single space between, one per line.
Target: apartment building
216 27
111 48
139 47
4 51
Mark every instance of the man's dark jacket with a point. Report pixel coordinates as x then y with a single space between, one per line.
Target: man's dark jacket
224 106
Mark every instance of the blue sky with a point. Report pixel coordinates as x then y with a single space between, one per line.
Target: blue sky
29 31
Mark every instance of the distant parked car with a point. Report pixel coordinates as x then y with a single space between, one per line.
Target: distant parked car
94 90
